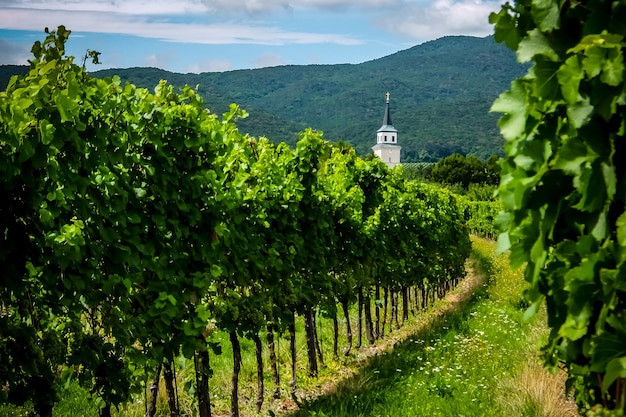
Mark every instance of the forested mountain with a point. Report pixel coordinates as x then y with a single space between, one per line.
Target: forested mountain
7 71
441 92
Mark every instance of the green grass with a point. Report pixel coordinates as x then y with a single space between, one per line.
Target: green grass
466 364
7 410
220 383
75 401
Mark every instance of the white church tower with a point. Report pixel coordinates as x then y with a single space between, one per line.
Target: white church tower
386 147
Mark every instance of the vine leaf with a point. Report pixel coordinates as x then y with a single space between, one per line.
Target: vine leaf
573 198
533 45
571 157
46 131
505 30
580 113
570 76
613 68
621 229
546 14
513 104
593 61
615 369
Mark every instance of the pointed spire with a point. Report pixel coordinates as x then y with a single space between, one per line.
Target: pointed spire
387 117
386 147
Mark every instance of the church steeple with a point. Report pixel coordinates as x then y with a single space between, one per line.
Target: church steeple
387 133
386 147
387 117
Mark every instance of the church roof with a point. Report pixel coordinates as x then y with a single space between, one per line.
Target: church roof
387 128
387 125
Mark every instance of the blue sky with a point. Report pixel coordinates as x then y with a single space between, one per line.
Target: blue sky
222 35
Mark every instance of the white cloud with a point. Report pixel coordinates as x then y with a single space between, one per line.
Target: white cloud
216 33
270 6
246 6
268 60
194 7
440 18
131 7
228 22
346 4
160 60
14 53
211 65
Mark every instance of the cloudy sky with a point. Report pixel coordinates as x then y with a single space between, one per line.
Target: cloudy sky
221 35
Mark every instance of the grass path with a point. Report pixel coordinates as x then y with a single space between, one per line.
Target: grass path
335 382
472 355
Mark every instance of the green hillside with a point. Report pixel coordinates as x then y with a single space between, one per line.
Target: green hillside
7 71
441 92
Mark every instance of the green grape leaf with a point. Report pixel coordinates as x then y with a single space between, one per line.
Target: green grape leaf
599 231
593 61
216 271
535 43
504 243
621 230
518 255
604 40
616 368
613 68
44 215
27 150
546 14
580 113
505 27
570 75
513 104
532 310
572 155
66 106
606 348
575 327
593 192
46 131
610 179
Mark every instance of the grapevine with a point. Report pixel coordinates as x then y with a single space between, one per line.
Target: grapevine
135 224
563 183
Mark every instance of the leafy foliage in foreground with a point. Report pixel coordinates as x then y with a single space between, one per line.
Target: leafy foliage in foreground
563 183
133 224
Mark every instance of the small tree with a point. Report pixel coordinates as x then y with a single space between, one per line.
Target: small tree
457 169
